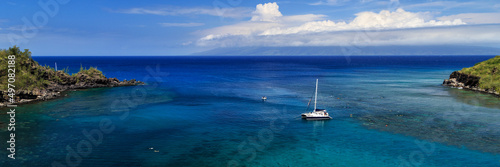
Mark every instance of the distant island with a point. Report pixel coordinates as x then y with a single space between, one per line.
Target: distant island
402 50
482 77
34 82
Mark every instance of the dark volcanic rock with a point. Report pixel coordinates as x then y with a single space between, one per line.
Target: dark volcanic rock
35 82
465 81
458 79
61 81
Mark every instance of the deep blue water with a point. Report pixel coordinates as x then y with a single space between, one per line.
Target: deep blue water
207 111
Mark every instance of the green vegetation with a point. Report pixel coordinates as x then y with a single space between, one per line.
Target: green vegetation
31 75
26 78
489 71
92 71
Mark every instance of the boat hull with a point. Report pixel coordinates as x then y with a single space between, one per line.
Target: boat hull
317 114
318 118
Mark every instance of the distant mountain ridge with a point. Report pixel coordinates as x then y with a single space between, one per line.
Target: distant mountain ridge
355 50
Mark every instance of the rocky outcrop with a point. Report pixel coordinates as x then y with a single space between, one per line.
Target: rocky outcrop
54 90
34 82
58 82
458 79
465 81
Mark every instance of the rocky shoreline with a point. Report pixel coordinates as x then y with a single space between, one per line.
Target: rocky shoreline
469 82
56 90
34 82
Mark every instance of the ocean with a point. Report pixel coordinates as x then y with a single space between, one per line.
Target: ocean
207 111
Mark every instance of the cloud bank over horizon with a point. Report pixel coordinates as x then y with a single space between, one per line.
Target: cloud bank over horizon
184 27
269 27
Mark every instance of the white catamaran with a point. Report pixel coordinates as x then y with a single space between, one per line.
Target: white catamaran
316 114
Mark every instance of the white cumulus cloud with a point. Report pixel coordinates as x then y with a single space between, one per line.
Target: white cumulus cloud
484 35
268 27
368 21
266 12
266 16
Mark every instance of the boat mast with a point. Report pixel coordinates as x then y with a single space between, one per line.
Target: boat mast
316 95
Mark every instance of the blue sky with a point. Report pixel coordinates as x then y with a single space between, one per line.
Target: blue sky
156 27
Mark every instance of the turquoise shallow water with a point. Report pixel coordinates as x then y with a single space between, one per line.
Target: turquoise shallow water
206 111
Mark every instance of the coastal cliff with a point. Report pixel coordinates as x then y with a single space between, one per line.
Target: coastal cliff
482 77
458 79
34 82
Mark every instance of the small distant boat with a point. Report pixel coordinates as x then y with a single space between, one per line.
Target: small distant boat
316 114
460 87
264 98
